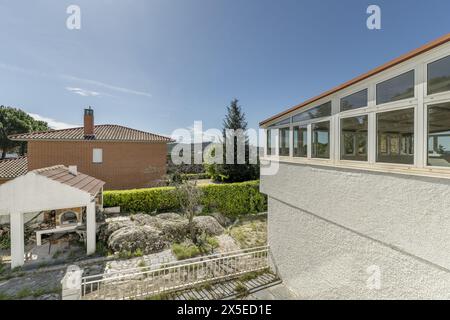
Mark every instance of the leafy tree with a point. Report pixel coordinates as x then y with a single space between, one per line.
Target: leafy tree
16 121
189 197
235 120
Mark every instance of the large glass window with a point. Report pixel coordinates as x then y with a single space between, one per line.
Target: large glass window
284 142
301 142
439 135
321 140
354 101
354 138
321 111
282 122
439 76
270 148
395 135
398 88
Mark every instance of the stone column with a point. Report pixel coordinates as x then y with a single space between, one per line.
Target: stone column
17 240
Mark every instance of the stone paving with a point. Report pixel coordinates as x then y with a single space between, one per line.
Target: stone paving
43 282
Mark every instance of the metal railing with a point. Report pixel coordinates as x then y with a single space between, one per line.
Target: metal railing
153 280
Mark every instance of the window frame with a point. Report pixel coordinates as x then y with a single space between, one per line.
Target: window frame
425 133
440 95
369 147
350 93
279 141
390 77
305 126
330 138
420 102
94 155
415 137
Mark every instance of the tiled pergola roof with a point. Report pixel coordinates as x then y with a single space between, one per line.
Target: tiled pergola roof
79 180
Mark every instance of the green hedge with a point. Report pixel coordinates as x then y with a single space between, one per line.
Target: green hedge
195 176
230 199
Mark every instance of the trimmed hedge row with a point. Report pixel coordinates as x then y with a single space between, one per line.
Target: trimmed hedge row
229 199
195 176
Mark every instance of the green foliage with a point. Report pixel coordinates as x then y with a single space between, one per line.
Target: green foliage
241 290
253 275
184 251
102 249
23 293
143 200
16 121
195 176
161 296
234 172
5 241
234 199
229 199
250 233
142 264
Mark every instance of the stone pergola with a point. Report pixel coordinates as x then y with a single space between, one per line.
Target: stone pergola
46 189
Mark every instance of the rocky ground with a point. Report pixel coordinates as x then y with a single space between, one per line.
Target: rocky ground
152 235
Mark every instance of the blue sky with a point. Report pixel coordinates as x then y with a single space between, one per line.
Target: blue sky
160 65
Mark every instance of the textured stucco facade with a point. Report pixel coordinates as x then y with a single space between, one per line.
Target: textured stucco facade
328 225
125 165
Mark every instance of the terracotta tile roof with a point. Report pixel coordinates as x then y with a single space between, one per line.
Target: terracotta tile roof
442 40
12 168
80 181
105 132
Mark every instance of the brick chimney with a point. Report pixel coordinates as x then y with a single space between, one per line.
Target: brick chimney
89 123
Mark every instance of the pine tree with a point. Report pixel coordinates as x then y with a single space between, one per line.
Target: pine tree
235 120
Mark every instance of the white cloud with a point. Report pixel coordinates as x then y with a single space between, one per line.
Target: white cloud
66 77
107 86
52 123
83 92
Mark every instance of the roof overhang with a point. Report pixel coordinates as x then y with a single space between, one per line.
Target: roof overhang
438 42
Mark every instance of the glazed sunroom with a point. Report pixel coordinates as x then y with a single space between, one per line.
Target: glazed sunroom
359 177
396 117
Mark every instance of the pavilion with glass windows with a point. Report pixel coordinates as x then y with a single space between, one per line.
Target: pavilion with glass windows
362 179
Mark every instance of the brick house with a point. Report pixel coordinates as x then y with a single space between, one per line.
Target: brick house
124 158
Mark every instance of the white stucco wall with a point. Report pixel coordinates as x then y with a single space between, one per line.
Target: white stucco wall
33 192
327 225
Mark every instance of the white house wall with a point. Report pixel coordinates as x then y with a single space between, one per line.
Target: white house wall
33 193
328 225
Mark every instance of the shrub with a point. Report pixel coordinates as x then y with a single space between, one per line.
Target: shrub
195 176
229 199
5 241
183 251
234 199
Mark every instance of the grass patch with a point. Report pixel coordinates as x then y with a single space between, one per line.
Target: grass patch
127 254
252 275
161 296
57 254
141 264
23 293
250 233
4 296
102 250
241 291
183 251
